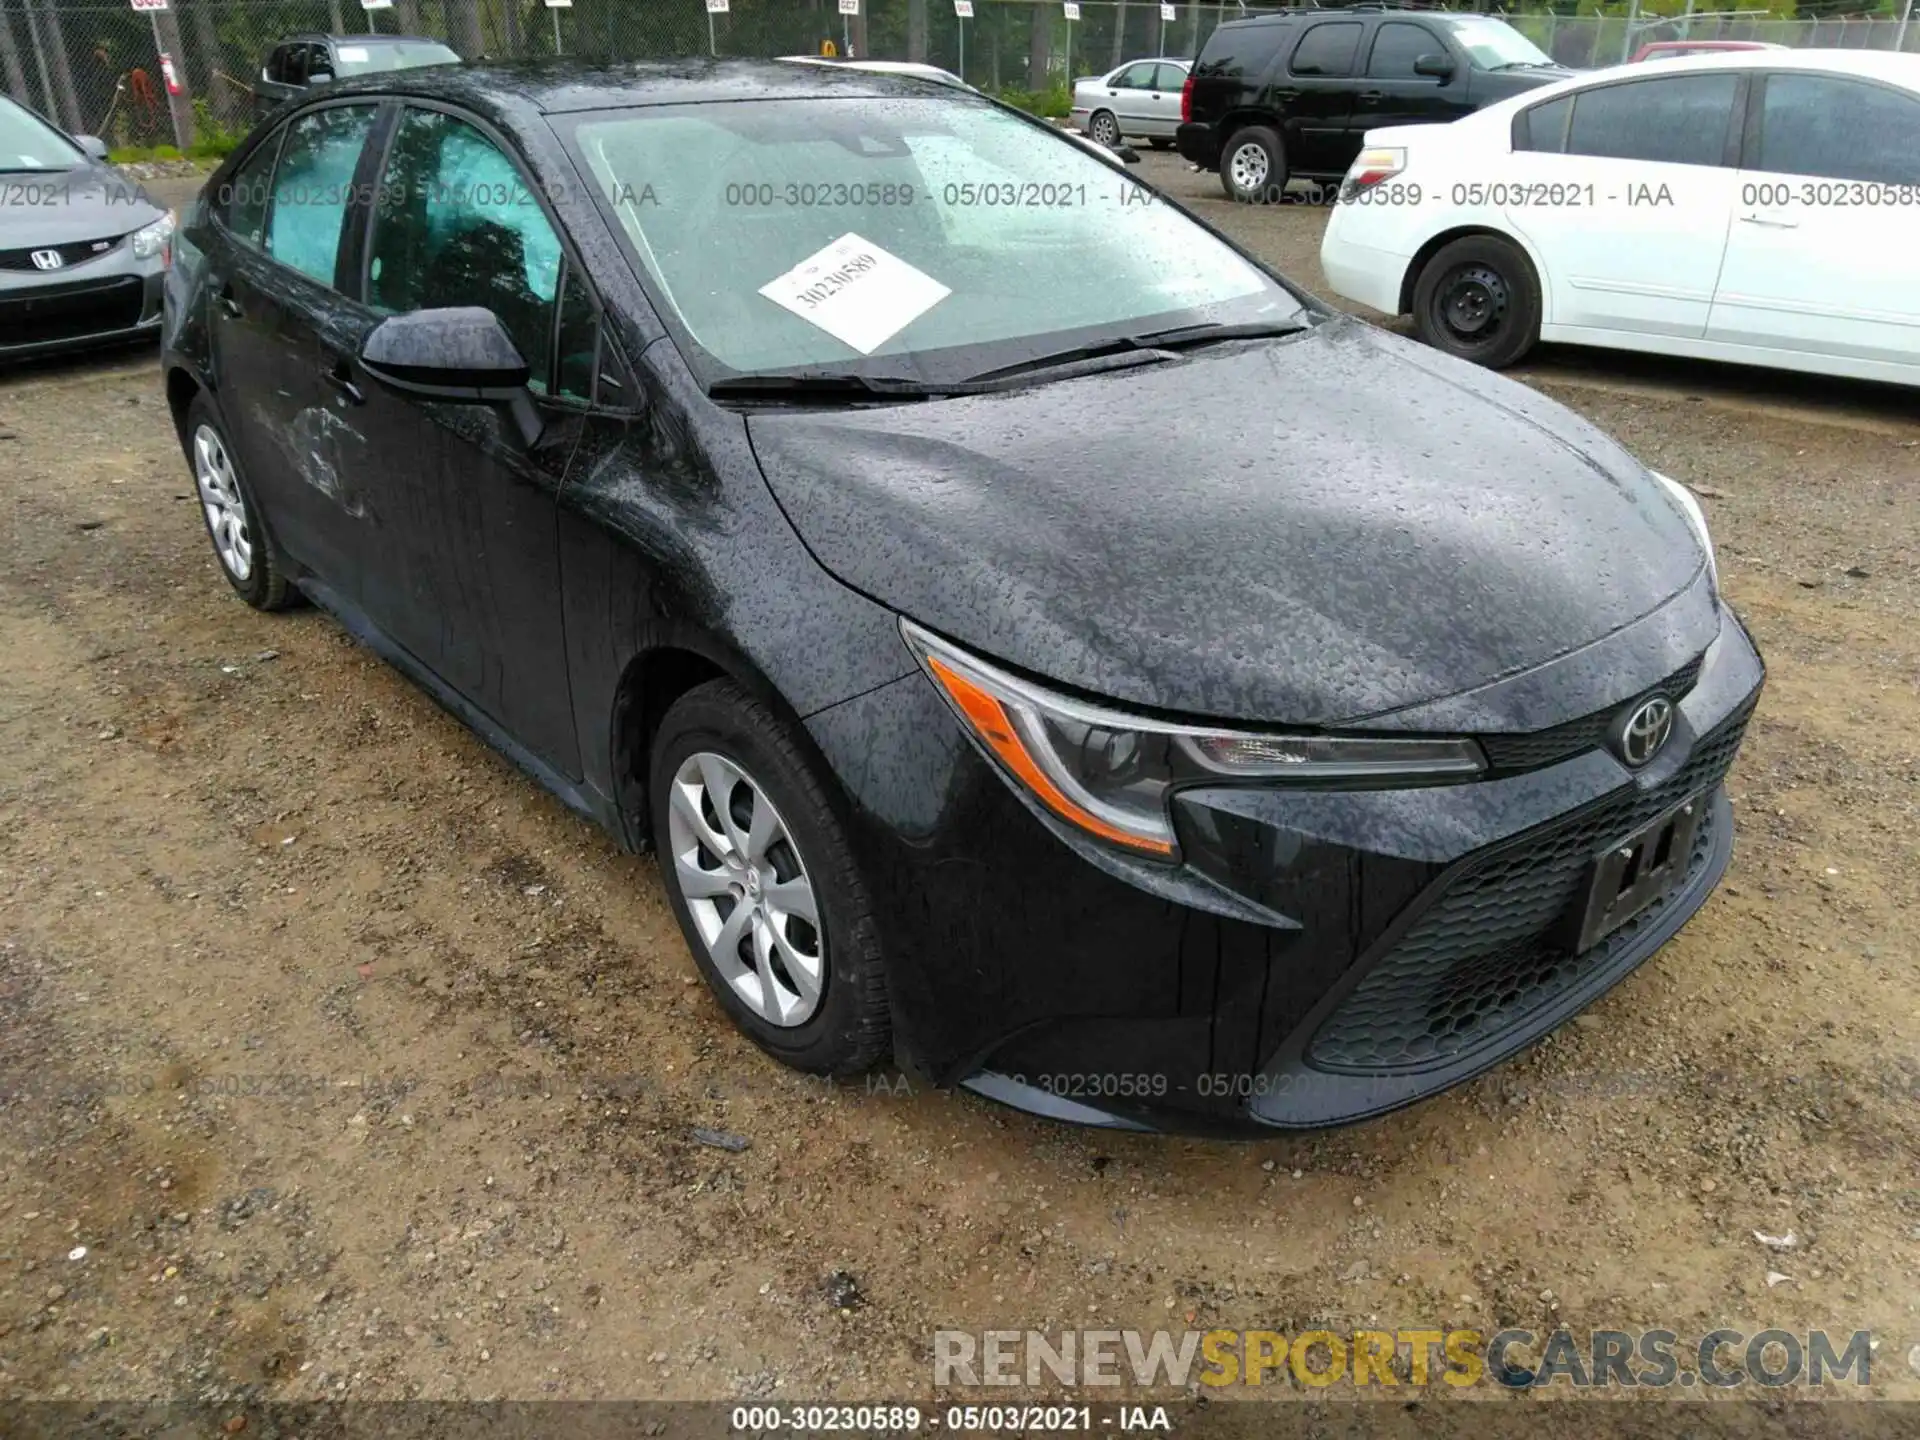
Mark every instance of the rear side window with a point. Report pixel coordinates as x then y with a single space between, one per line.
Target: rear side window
1134 77
1241 52
1838 129
1396 45
1327 49
313 187
1675 120
245 200
1543 127
1169 77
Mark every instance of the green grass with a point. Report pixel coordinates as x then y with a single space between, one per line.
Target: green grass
1054 103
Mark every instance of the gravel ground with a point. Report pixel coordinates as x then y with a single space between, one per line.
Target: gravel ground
358 1067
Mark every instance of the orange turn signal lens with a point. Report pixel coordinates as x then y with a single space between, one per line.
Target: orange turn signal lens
991 722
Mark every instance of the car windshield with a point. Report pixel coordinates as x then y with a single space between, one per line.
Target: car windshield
367 59
1493 43
28 143
930 237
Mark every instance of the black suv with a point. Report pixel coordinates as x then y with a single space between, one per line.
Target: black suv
1293 93
302 61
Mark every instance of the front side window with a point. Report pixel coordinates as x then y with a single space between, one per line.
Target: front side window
456 224
1675 120
313 187
29 145
1005 235
1396 45
247 193
1837 129
1327 49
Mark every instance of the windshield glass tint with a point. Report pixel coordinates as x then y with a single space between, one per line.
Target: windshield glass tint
28 144
1492 43
937 225
366 59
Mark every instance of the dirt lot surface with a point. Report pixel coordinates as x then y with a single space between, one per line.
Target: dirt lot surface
339 1060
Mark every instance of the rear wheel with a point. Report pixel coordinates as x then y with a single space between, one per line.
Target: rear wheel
1253 166
1478 298
1160 142
232 514
1104 128
764 883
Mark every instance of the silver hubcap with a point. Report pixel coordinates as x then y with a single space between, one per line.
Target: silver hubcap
747 889
1248 168
1105 129
220 498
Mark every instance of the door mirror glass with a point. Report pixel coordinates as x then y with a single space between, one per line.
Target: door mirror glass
461 352
1438 66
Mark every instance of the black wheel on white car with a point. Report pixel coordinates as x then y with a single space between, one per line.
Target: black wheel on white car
1103 127
235 523
1478 298
764 883
1253 166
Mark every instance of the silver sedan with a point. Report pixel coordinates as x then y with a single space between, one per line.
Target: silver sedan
1140 99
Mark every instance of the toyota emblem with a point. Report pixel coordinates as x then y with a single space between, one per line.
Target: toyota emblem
1642 731
47 260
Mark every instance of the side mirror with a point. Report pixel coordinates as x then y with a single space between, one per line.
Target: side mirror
319 77
1438 66
461 354
94 147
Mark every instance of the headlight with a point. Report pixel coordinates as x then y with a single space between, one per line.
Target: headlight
1110 774
151 240
1697 518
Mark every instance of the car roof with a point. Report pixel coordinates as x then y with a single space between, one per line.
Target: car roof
557 87
310 35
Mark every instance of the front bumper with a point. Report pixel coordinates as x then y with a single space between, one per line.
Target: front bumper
1319 957
85 308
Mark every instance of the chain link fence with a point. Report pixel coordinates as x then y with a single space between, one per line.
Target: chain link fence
95 65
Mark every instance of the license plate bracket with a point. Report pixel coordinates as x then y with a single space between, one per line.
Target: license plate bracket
1638 871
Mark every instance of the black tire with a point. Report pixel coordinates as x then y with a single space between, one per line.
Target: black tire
1478 298
1094 127
850 1029
1268 190
265 585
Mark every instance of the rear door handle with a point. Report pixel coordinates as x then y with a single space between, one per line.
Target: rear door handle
341 379
1770 224
1370 97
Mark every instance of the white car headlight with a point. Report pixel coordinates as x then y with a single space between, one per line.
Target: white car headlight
1696 517
1111 775
151 240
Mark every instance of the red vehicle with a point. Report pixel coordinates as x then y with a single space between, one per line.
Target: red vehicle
1670 49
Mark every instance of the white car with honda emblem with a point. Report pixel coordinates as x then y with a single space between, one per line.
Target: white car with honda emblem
1759 207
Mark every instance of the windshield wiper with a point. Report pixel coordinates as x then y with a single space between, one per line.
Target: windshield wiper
1147 347
823 385
1530 65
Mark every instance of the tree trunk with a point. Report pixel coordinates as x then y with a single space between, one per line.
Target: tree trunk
511 14
917 30
463 28
857 35
171 41
206 48
1119 36
407 12
56 38
1039 46
10 59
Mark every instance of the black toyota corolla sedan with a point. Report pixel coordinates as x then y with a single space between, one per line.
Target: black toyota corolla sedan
1039 643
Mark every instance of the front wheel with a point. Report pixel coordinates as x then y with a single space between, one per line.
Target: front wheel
764 883
1478 298
235 523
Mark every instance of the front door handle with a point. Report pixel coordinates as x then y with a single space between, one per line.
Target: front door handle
1771 224
228 305
1370 97
341 380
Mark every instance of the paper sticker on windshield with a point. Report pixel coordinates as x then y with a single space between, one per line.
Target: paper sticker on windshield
353 54
856 292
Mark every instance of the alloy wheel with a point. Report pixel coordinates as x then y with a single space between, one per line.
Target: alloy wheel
220 498
1106 129
747 888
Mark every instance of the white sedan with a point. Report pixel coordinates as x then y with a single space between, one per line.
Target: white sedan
1758 207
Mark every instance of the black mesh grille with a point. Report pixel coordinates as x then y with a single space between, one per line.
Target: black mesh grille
71 254
1487 953
1549 747
70 312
